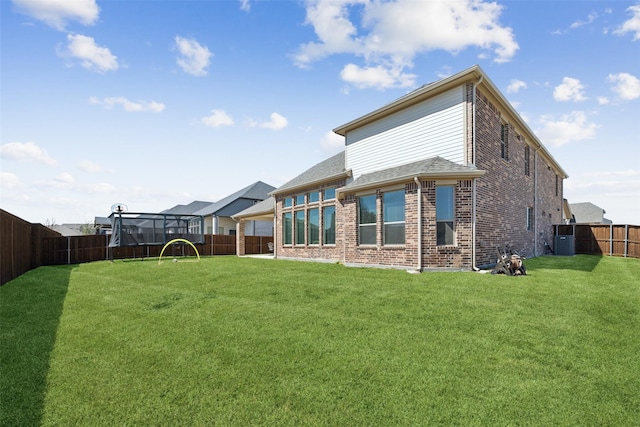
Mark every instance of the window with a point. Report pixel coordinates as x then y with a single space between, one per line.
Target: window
314 196
557 185
329 225
300 200
503 141
313 226
529 218
367 220
444 215
286 228
287 202
329 193
527 154
299 227
393 217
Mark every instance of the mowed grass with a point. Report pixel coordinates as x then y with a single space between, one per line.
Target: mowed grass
238 341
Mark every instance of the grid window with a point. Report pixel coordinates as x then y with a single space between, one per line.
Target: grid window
329 225
445 226
313 226
393 216
367 220
287 202
504 142
300 199
299 227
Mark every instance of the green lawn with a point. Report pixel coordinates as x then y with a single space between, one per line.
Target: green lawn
238 341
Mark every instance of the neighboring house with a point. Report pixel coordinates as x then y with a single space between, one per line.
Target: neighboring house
68 230
587 213
217 216
437 179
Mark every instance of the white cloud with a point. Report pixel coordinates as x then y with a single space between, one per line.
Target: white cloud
590 18
65 178
379 77
603 100
569 90
632 25
128 106
332 143
390 34
627 86
193 58
245 5
91 56
26 152
572 127
515 86
277 122
217 118
89 166
57 13
10 181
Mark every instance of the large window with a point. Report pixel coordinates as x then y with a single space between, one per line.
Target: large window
286 228
393 217
367 220
329 225
313 226
299 227
445 202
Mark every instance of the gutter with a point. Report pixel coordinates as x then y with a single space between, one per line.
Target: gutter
474 189
419 184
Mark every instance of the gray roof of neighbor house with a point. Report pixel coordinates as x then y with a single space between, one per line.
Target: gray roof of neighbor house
265 207
256 191
189 209
327 170
588 213
435 167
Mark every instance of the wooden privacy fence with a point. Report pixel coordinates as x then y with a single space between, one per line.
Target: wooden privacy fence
603 239
25 246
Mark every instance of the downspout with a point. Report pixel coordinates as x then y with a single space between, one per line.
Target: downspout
474 188
419 184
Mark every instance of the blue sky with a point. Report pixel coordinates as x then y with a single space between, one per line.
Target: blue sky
158 103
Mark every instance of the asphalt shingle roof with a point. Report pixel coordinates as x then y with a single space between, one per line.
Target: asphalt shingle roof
332 167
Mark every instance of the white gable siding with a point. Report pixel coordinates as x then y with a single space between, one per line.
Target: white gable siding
434 127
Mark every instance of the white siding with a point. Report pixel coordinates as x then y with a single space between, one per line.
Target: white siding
434 127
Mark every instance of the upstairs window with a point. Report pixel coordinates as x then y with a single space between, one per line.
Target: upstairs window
445 206
367 220
504 141
314 196
300 199
287 202
393 217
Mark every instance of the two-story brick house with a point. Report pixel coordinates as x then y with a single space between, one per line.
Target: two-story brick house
438 178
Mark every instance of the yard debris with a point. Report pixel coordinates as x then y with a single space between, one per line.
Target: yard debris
509 263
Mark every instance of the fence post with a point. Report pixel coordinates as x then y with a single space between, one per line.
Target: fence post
626 240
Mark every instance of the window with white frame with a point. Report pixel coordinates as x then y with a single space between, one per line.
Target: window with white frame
314 196
393 216
329 193
298 227
367 220
445 208
329 225
313 226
